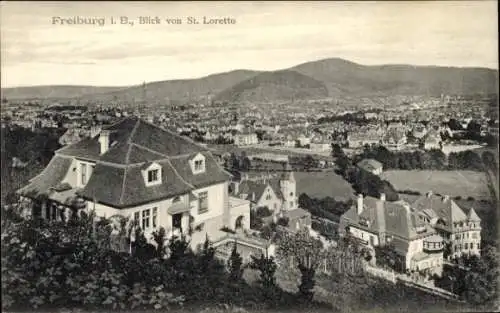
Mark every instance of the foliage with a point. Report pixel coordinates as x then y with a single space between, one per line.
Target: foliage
387 257
476 279
327 207
372 185
263 211
46 264
283 221
423 160
160 238
267 267
256 222
235 263
307 252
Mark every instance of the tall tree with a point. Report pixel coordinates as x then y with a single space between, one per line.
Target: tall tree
305 251
267 268
235 263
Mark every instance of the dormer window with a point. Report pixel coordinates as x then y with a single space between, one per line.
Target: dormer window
152 175
198 164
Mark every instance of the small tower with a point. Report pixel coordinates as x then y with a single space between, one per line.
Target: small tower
288 188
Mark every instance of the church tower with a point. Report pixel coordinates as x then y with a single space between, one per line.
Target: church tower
288 188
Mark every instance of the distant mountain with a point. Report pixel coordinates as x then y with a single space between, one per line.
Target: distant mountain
272 86
55 92
347 78
318 79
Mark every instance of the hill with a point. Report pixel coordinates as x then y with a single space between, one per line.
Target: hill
347 78
275 86
318 79
55 92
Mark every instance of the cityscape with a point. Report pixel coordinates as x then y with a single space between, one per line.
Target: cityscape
317 184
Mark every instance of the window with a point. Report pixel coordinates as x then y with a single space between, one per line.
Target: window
268 197
198 165
136 217
145 219
291 194
466 245
477 245
203 197
155 217
153 176
83 173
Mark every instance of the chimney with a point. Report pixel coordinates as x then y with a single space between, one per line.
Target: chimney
429 194
360 204
94 131
446 198
104 141
382 196
236 188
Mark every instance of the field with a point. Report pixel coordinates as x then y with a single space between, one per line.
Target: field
453 183
323 184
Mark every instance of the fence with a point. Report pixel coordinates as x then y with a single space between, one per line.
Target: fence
336 264
378 272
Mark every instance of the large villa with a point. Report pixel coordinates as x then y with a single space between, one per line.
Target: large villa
151 175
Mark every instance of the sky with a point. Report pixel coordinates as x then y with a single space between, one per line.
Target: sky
265 36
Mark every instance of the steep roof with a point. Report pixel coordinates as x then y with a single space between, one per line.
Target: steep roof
472 215
133 140
369 164
371 218
49 178
392 218
117 179
445 208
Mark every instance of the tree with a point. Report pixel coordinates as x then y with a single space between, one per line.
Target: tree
160 237
246 164
307 252
343 163
207 255
337 150
178 247
235 265
267 268
283 221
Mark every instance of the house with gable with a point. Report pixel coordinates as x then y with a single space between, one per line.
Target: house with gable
371 165
461 230
278 194
377 222
136 169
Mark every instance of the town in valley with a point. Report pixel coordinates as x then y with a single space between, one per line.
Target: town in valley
325 186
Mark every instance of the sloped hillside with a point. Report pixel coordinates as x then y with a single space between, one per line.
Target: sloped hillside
55 92
275 86
179 90
345 77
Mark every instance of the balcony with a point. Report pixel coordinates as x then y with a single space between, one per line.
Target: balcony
433 244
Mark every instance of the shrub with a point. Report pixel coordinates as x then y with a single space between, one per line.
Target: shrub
234 264
263 211
283 221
